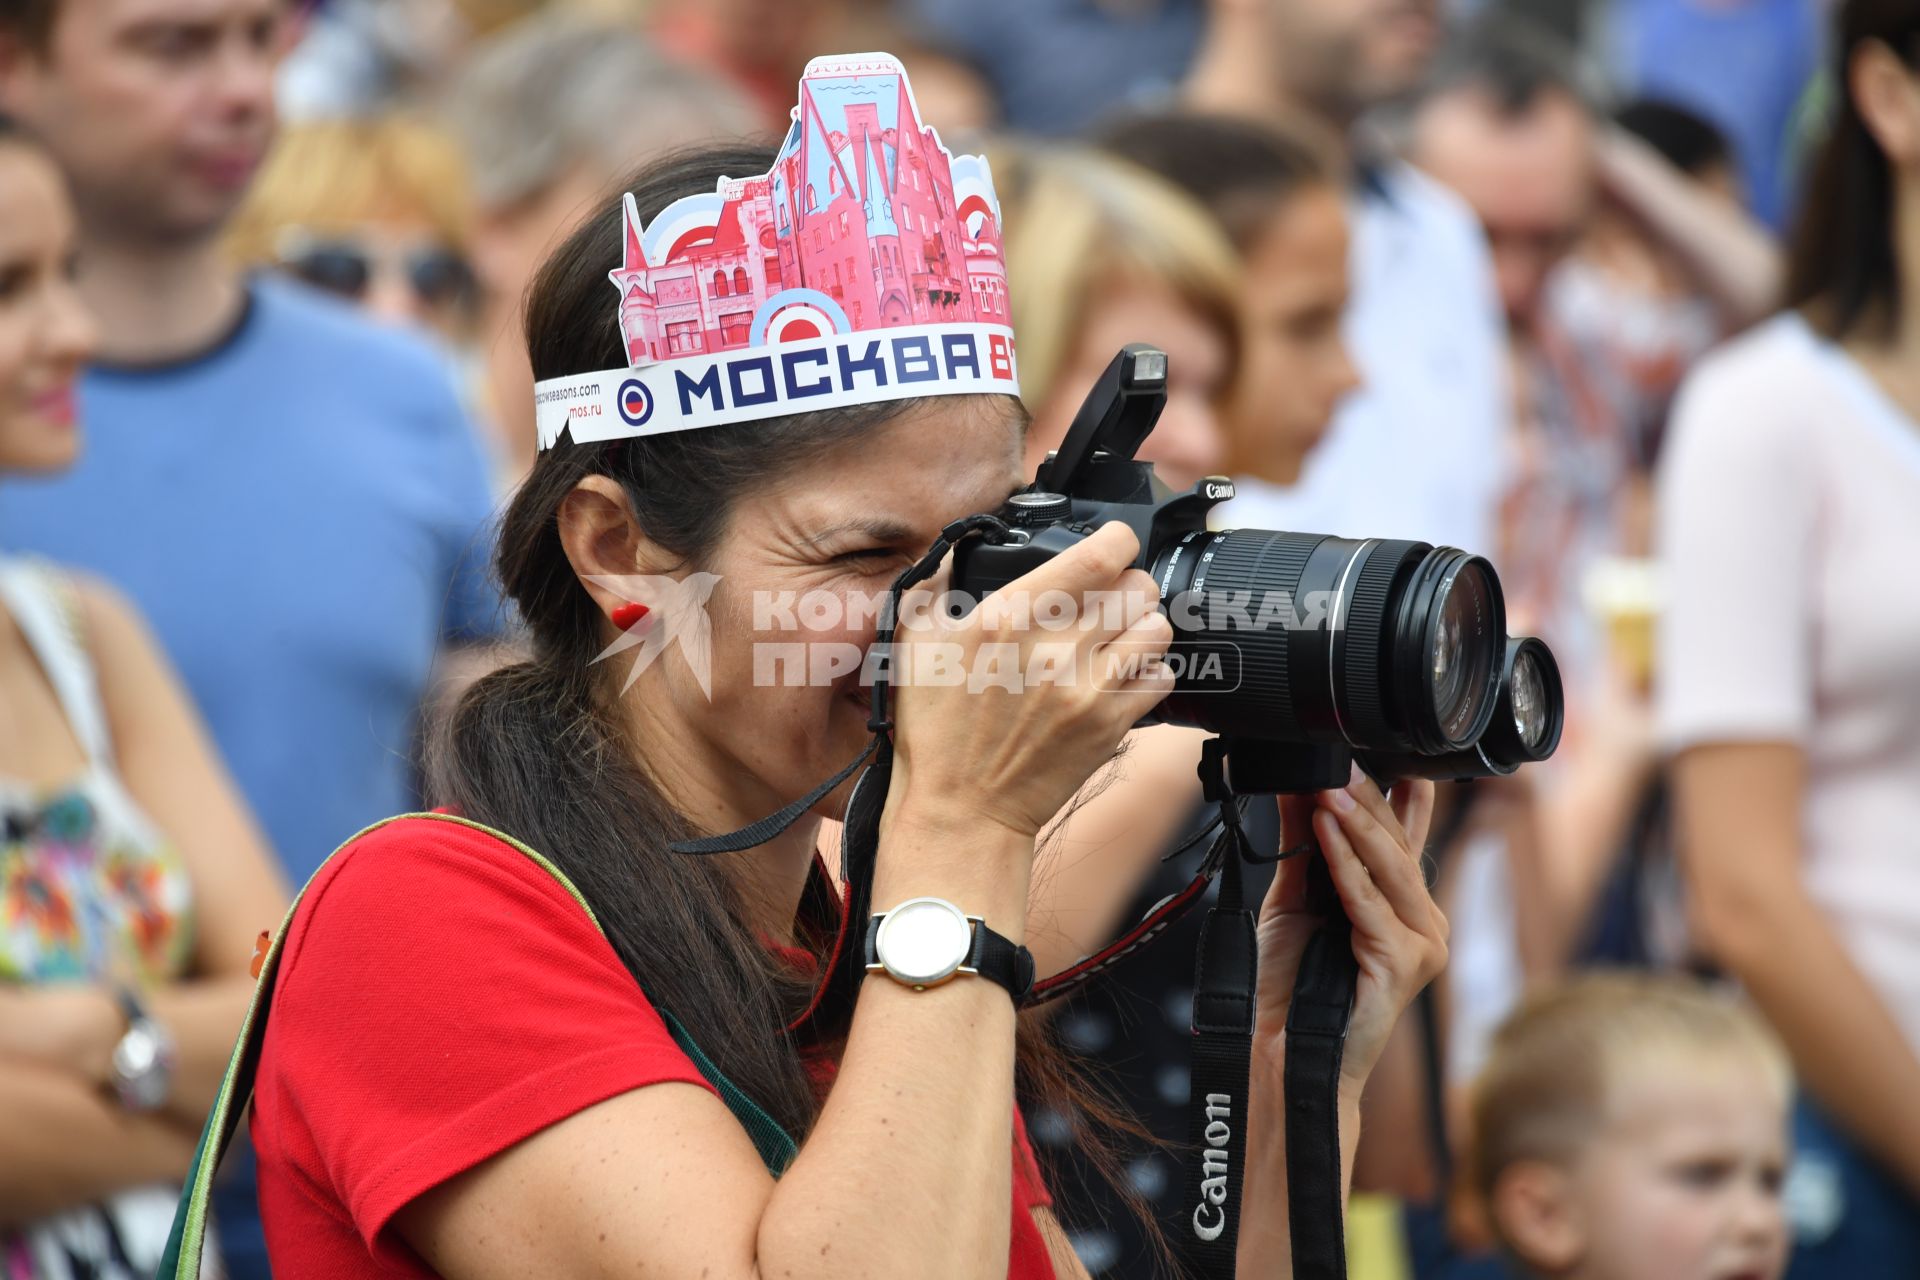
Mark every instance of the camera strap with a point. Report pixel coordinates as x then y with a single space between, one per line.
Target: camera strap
1317 1022
1225 977
1225 984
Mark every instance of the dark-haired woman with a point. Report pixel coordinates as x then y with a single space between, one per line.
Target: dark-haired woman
462 1078
1790 522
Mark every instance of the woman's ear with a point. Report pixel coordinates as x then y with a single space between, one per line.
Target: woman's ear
1887 93
1533 1209
603 540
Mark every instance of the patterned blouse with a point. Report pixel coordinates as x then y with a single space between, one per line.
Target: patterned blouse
89 892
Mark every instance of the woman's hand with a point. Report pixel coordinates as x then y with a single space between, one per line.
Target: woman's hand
67 1026
1005 717
1372 848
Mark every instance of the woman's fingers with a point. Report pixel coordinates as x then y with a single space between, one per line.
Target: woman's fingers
1130 666
1296 819
1366 906
1367 795
1412 803
1381 851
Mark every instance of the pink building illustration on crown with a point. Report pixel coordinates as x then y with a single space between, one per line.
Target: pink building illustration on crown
865 222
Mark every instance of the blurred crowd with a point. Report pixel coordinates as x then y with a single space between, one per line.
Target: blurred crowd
1618 293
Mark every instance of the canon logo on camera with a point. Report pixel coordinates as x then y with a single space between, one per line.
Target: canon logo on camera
1213 1169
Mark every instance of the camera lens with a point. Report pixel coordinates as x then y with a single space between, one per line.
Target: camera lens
1529 693
1524 728
1533 708
1374 643
1460 679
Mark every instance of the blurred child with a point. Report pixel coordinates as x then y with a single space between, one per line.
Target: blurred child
1631 1127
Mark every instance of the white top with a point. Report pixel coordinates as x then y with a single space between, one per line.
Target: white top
1789 509
1420 450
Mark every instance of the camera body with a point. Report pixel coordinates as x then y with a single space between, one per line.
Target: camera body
1304 651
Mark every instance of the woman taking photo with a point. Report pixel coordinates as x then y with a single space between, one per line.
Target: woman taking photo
1790 667
132 881
462 1076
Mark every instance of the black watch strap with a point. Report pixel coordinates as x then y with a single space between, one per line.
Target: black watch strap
997 957
131 1008
992 955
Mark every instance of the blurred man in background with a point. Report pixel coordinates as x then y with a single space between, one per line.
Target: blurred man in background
1506 119
1424 324
1503 122
552 112
289 492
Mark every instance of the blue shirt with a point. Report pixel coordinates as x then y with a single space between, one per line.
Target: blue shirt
1060 67
300 513
1744 65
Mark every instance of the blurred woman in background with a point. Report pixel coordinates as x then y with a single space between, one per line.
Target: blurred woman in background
1789 513
375 210
1279 195
1272 199
1108 254
132 880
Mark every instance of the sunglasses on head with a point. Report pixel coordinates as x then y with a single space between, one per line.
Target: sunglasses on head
438 276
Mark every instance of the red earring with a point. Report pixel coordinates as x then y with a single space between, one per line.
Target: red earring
628 616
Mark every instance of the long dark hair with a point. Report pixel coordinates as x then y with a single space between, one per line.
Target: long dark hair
1842 272
539 750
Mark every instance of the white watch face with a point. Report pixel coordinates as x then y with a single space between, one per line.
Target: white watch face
143 1067
137 1053
923 940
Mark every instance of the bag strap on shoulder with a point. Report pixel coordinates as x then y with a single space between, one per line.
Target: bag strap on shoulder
187 1242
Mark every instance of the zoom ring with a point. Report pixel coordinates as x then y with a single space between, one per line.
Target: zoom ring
1362 687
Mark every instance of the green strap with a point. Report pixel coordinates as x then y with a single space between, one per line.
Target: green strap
188 1238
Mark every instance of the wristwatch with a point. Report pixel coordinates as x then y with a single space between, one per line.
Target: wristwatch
924 942
143 1060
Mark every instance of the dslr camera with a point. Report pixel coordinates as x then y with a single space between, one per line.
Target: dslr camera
1301 650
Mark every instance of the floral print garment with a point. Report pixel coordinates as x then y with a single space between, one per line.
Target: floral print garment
81 901
89 892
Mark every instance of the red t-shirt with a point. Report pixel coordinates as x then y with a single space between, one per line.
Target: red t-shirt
440 999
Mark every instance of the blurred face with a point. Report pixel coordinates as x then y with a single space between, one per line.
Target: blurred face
760 33
1297 368
841 527
1684 1184
1190 439
509 244
1529 177
44 333
1343 56
400 270
159 111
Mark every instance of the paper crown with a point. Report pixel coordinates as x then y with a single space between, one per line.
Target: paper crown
865 266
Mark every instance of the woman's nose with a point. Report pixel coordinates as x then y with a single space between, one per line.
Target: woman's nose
71 333
389 297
